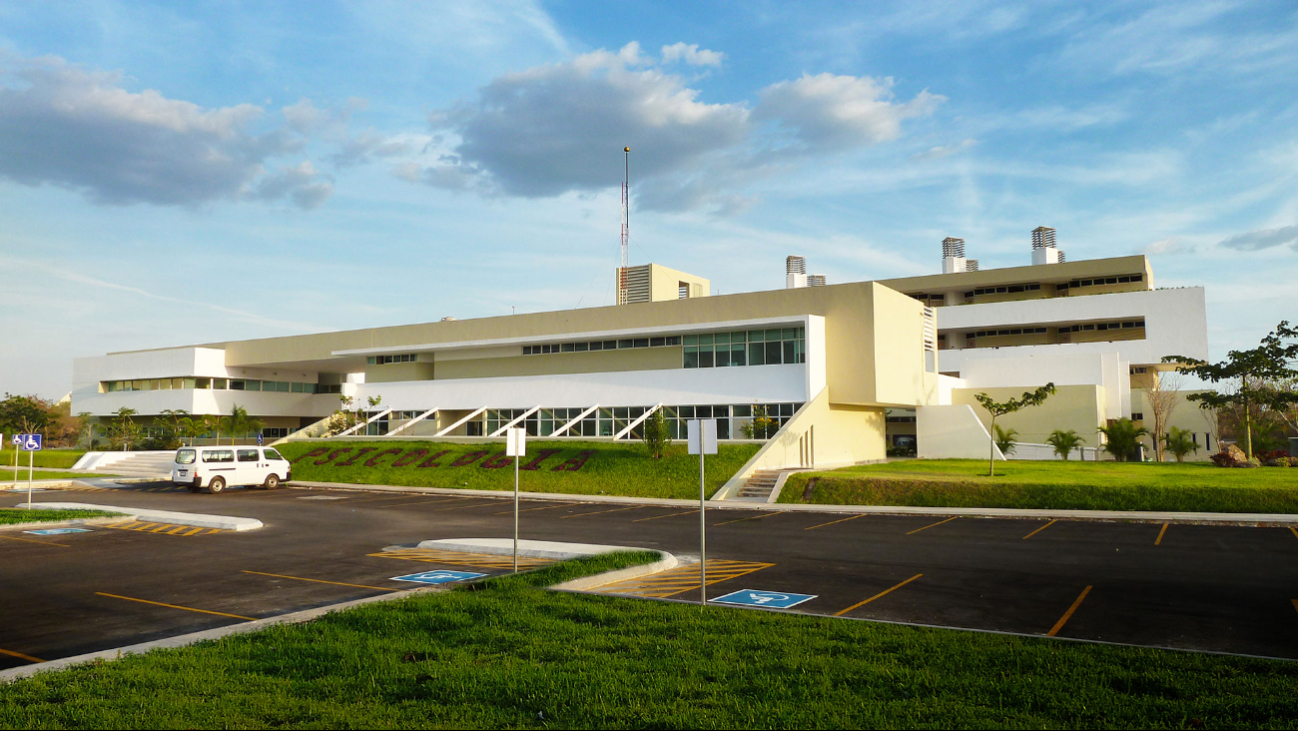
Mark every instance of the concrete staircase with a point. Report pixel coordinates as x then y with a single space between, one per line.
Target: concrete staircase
139 464
759 486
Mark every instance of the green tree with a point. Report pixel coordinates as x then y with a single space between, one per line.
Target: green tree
1064 442
123 430
1180 442
1005 439
657 435
212 424
1122 439
1250 377
1001 408
241 424
762 426
24 414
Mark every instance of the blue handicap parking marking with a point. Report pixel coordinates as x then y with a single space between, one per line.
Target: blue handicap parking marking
56 531
772 599
438 577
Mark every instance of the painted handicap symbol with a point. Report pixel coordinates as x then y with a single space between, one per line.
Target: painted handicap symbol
438 577
768 599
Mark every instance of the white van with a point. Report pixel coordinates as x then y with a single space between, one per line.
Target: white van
215 468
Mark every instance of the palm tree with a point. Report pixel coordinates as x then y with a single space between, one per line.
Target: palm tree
1005 439
212 423
1180 442
1064 442
241 423
1122 439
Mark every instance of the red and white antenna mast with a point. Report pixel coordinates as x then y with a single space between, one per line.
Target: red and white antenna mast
626 227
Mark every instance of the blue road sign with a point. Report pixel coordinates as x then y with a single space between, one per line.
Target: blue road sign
56 531
438 577
772 599
28 442
16 439
259 440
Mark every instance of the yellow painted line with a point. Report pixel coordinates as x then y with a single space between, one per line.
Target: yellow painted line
1295 531
175 606
940 522
163 528
751 517
1295 603
841 520
177 529
528 510
1038 530
669 515
193 532
20 656
1160 535
1064 619
146 526
597 512
30 540
883 593
321 581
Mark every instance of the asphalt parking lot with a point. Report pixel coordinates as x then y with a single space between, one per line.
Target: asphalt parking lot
1219 588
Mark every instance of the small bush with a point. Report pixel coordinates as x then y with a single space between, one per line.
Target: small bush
1223 459
1252 462
1272 455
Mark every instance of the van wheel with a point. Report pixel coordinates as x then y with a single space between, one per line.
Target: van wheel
216 485
272 482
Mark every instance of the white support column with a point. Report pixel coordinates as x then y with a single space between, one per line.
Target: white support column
367 422
574 422
457 424
640 419
501 431
413 421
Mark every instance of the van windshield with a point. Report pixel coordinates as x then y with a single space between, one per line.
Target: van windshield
272 454
185 456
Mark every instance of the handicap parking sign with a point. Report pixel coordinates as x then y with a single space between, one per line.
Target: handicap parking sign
771 599
28 442
56 531
438 577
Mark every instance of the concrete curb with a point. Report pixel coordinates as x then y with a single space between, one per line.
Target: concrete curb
64 523
528 548
36 485
199 520
306 615
1264 519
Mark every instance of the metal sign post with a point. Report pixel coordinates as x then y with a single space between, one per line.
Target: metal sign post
516 446
702 438
17 440
31 444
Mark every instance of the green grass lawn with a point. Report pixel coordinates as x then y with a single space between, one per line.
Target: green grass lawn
7 475
56 458
508 654
609 469
1053 485
15 516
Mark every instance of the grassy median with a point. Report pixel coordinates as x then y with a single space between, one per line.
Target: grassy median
17 516
584 468
508 654
59 459
1196 487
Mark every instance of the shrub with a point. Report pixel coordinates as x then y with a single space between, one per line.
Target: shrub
1122 439
1005 439
657 436
1252 462
1223 459
1064 442
1180 442
1272 455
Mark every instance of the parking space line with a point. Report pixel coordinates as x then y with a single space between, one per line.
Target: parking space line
1295 531
1159 540
20 656
597 512
32 540
883 593
940 522
1038 530
547 507
1064 619
320 581
1295 604
668 515
841 520
751 517
175 606
407 496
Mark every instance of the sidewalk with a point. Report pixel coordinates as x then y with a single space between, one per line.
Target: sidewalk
1265 519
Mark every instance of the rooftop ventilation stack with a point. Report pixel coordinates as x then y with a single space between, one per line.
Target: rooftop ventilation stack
795 272
815 280
1043 247
953 259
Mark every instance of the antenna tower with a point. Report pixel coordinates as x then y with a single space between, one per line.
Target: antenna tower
626 227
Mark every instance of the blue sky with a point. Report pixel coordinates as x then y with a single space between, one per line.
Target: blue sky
179 173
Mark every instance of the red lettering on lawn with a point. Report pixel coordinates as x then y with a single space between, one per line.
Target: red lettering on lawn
468 459
496 462
409 457
431 461
541 456
312 453
333 456
573 464
359 453
374 461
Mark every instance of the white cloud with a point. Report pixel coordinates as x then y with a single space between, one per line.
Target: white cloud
826 110
1170 245
1266 238
934 153
301 183
67 126
692 55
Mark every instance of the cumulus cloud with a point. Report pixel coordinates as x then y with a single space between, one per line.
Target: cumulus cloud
1266 238
366 146
933 153
692 55
826 110
68 126
301 184
558 128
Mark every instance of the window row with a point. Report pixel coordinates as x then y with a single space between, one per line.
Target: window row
1103 326
1100 282
1007 289
218 384
385 359
739 421
1009 331
746 348
590 345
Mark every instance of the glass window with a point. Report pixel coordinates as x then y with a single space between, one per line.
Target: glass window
739 337
371 360
691 357
237 385
685 412
738 353
219 455
673 340
790 351
756 354
773 352
722 338
582 347
597 345
282 386
610 345
641 343
657 342
569 347
297 387
742 410
705 357
691 340
185 456
252 385
756 336
219 384
248 455
722 357
624 343
202 383
790 333
272 454
705 339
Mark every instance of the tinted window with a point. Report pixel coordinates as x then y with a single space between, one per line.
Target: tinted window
248 455
185 456
272 454
219 455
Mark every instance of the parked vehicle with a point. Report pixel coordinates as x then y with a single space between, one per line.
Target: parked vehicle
212 469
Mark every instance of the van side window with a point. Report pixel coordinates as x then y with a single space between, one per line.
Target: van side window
248 455
219 455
